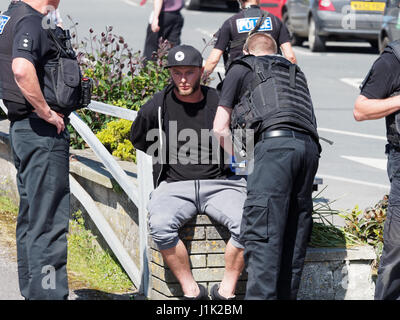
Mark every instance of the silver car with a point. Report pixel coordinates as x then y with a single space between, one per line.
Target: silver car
322 20
390 29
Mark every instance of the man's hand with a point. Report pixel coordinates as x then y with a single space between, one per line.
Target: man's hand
27 81
154 25
53 118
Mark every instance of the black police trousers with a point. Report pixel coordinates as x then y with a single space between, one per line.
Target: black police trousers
41 158
277 218
388 282
171 24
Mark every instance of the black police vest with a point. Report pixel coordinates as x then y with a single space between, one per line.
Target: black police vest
59 77
393 120
278 94
8 87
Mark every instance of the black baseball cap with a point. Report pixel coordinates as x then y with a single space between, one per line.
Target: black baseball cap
184 55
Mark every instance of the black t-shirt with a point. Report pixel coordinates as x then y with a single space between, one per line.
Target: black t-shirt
31 42
383 78
193 153
238 25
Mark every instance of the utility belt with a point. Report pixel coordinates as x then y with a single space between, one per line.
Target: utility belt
285 133
33 115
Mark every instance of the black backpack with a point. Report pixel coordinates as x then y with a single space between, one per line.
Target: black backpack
278 93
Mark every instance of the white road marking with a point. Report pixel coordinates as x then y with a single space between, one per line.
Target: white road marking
365 183
355 134
205 32
131 3
354 82
372 162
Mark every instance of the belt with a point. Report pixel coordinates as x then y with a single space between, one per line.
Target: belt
285 133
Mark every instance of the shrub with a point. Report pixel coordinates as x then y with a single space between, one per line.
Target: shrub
121 78
114 138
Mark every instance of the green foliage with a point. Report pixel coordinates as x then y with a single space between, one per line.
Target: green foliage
366 227
324 233
88 262
115 138
121 78
2 114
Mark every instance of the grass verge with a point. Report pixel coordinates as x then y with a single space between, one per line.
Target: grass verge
89 266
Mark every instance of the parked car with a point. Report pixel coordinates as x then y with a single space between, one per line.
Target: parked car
276 7
390 29
322 20
197 4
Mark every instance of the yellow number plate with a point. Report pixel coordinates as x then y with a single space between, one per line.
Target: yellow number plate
367 6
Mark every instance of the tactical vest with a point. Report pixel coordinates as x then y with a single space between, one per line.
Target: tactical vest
59 77
277 94
393 120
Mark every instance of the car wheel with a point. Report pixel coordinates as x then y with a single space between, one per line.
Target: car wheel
315 42
192 4
383 43
295 40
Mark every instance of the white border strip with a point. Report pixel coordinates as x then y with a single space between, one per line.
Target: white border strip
365 183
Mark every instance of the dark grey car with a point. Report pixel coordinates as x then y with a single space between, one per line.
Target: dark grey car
197 4
390 30
322 20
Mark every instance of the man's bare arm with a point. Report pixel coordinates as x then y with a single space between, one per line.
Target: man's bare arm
221 128
27 81
212 61
372 109
288 53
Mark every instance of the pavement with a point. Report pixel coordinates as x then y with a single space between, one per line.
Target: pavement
8 275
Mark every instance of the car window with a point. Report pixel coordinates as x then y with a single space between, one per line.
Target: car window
393 3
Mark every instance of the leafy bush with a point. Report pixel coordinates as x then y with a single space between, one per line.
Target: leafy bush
114 137
121 78
366 226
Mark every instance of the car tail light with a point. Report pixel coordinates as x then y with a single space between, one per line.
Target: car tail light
325 5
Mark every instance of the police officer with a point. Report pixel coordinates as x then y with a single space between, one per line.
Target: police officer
379 98
277 216
234 31
40 146
166 22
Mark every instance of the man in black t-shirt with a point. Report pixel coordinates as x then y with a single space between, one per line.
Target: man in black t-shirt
234 31
379 98
189 171
40 146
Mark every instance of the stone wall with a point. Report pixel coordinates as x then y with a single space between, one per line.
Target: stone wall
205 241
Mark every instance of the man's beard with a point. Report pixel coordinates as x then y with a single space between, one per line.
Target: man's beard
188 92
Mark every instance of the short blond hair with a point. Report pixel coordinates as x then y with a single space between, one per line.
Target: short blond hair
260 42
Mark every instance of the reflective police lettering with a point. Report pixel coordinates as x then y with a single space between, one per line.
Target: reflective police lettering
3 21
248 24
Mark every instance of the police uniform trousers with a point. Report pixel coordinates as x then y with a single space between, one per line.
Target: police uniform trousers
277 218
388 282
41 158
171 24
